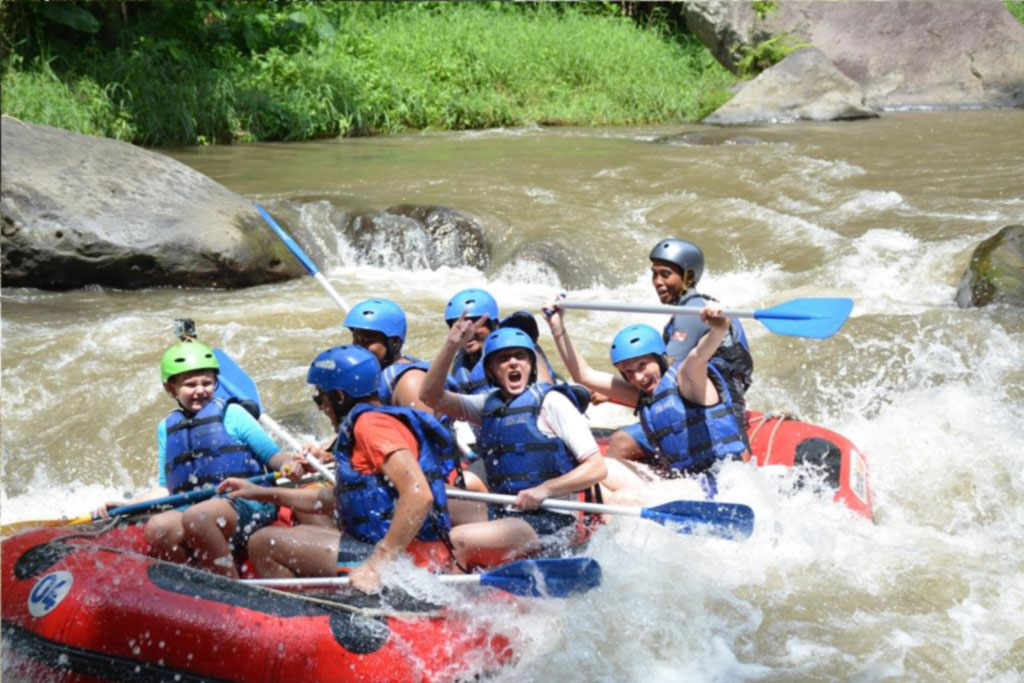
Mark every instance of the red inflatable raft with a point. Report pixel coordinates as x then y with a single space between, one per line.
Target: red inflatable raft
81 604
784 440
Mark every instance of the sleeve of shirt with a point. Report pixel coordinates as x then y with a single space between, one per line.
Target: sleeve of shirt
161 444
472 406
244 427
686 331
378 435
559 417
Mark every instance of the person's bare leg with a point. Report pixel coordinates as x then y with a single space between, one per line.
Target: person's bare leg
622 446
166 537
468 511
494 542
208 529
284 552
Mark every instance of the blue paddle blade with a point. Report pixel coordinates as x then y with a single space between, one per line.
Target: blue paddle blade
728 520
233 382
292 245
554 577
813 318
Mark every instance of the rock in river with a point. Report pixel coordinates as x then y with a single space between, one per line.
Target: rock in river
996 271
80 210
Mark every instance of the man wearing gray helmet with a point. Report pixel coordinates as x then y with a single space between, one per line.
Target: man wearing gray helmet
676 268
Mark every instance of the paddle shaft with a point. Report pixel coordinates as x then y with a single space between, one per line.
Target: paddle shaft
293 443
460 579
652 308
303 258
550 503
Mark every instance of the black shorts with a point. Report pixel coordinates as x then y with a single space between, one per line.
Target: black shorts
352 552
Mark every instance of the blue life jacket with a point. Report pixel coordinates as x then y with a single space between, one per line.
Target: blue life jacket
389 378
517 455
391 374
469 380
690 438
200 452
366 502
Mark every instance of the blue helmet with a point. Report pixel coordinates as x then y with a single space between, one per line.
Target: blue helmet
475 302
350 369
635 341
508 338
378 315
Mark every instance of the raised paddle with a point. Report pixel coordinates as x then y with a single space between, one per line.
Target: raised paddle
234 380
812 318
177 500
728 520
304 259
554 578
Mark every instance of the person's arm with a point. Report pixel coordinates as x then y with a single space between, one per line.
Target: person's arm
244 428
561 419
432 391
543 375
616 388
407 391
692 377
414 501
316 499
584 475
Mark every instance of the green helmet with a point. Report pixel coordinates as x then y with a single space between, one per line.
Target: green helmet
185 357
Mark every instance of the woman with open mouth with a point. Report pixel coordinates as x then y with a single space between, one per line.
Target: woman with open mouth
534 441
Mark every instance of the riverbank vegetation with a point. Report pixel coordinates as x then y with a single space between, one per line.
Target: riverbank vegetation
165 73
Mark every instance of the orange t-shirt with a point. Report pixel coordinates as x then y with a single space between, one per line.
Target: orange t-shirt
378 435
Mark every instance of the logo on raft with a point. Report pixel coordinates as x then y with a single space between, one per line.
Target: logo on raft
48 593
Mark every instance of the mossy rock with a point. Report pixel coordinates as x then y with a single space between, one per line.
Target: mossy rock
996 271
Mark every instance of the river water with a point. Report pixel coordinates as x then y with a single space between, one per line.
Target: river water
884 211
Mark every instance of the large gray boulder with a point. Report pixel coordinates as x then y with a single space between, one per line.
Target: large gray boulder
903 54
79 210
996 271
803 86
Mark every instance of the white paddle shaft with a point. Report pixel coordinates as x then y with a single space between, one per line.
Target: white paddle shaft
293 443
648 308
331 292
549 504
462 579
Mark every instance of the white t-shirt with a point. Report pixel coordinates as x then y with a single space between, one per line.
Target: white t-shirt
558 417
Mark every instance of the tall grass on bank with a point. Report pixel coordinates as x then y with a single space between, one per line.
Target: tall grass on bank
38 95
450 66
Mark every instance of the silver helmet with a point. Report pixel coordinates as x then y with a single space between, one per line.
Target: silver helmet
686 255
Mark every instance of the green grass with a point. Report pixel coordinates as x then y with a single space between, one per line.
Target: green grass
440 66
38 95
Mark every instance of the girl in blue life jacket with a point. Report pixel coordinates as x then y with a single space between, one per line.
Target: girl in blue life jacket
389 497
534 443
685 408
379 325
201 443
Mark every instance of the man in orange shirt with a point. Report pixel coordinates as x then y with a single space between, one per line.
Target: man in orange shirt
389 497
